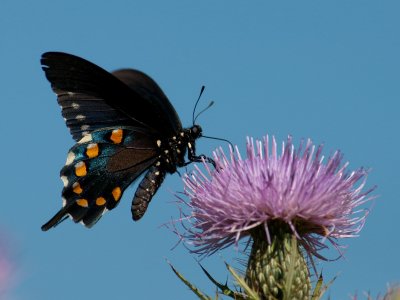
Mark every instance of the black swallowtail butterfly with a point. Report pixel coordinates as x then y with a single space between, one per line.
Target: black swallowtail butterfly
124 125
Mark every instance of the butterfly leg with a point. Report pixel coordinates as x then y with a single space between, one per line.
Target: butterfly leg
200 158
145 191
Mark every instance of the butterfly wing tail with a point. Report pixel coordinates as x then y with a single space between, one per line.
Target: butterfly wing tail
57 219
76 212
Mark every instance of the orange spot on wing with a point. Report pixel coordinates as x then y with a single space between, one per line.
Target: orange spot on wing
100 201
92 150
82 202
80 169
116 192
116 136
76 188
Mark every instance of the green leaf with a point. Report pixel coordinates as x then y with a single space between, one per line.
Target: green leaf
189 285
320 288
317 294
325 288
252 295
223 287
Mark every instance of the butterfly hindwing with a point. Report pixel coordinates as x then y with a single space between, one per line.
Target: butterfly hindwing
149 90
98 170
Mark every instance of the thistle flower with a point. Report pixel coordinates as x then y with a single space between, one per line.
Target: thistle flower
286 202
6 268
317 201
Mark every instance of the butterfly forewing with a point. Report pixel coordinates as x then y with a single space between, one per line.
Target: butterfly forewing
84 114
131 95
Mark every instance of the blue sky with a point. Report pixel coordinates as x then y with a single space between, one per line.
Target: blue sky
328 70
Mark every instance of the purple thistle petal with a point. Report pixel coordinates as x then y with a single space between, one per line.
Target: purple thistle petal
7 269
317 200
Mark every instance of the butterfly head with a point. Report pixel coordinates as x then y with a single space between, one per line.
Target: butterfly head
195 132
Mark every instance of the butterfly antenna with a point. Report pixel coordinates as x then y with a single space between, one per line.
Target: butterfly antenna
219 139
208 106
197 102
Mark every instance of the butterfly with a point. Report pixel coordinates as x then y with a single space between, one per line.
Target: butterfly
124 126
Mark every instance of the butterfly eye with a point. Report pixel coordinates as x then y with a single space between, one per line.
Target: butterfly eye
196 131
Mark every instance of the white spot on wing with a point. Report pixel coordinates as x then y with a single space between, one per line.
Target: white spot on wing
85 127
79 164
92 145
75 105
64 202
70 93
158 143
80 117
64 180
85 138
70 158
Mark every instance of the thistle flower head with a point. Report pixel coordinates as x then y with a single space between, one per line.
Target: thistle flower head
317 198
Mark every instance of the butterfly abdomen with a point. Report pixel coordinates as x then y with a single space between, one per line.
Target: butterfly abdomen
146 190
171 154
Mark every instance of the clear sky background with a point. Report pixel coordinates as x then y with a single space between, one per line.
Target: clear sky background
328 70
